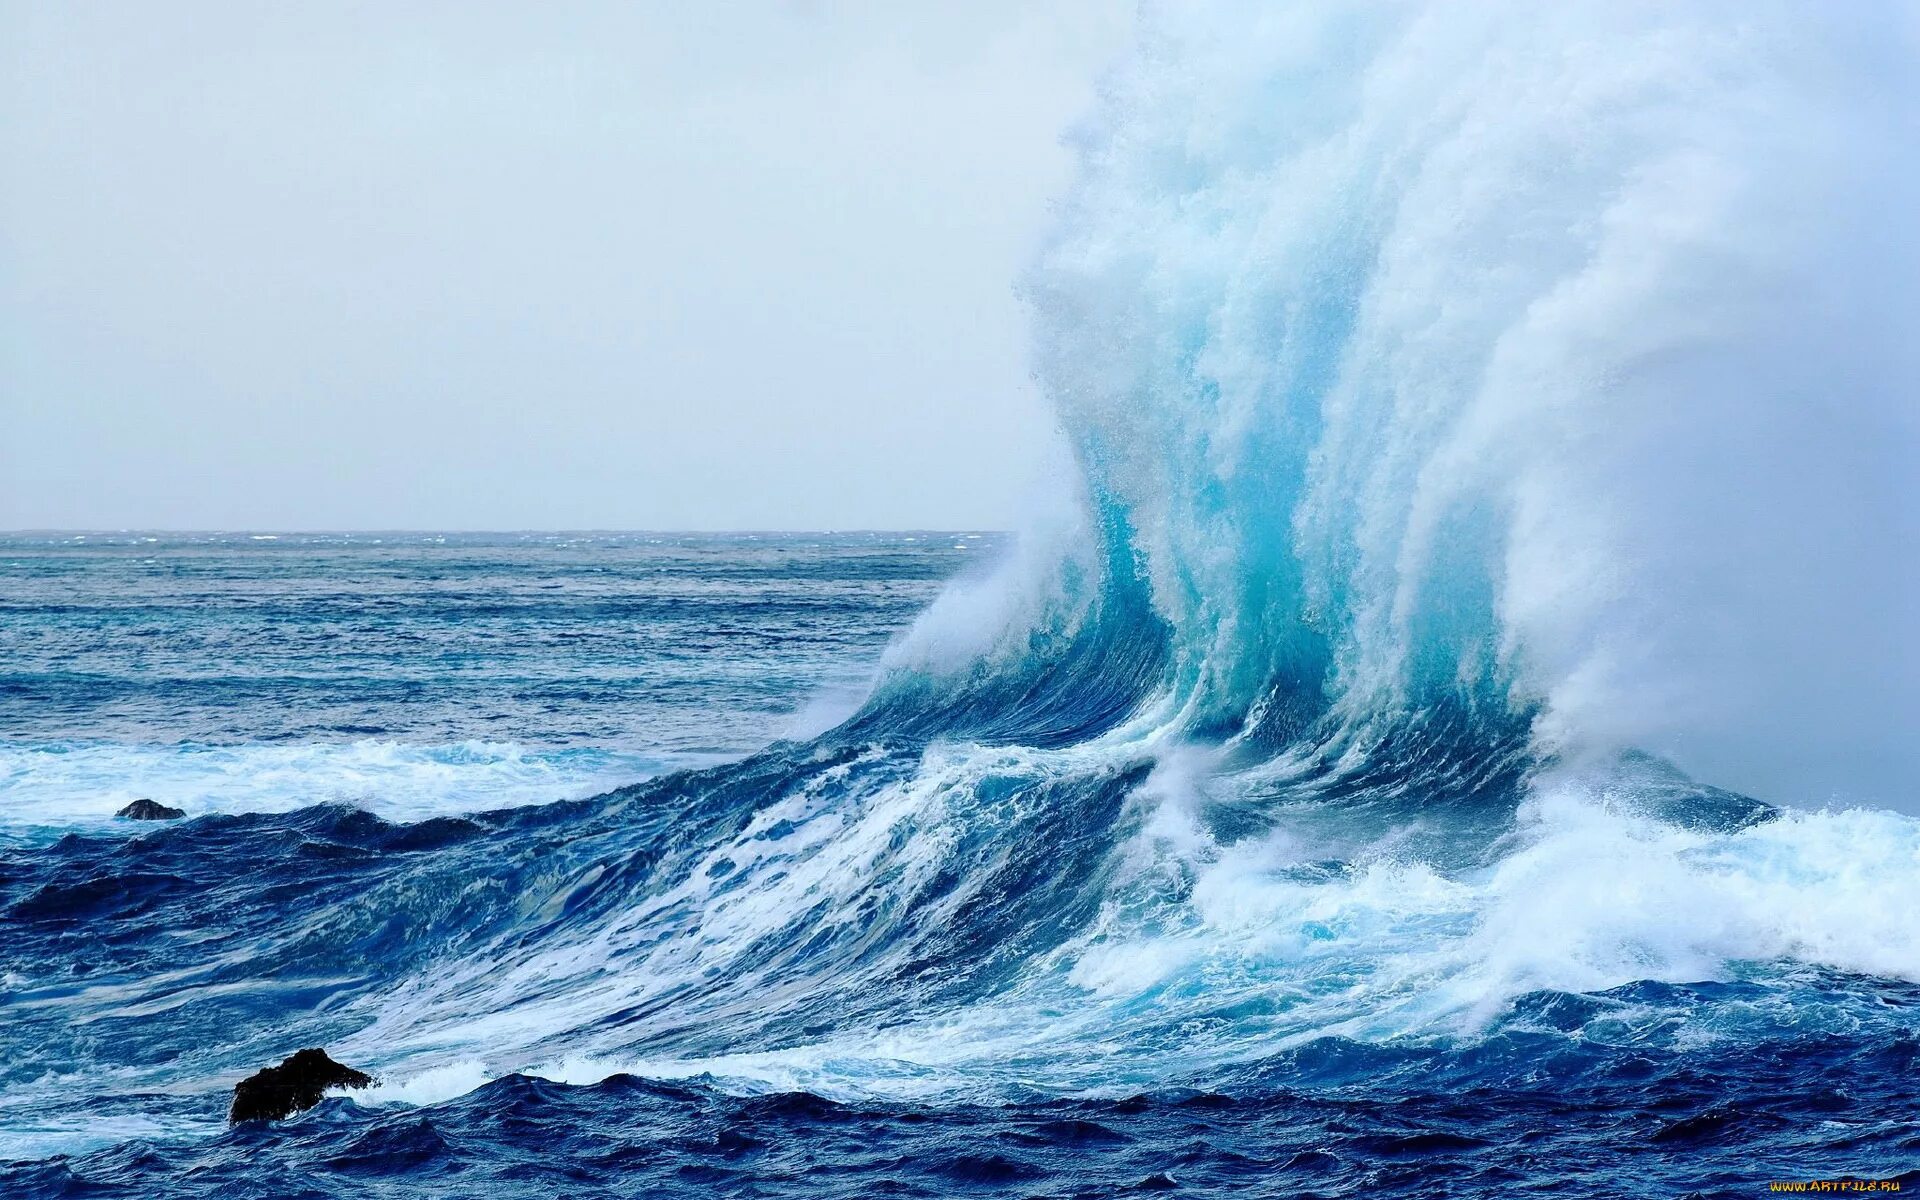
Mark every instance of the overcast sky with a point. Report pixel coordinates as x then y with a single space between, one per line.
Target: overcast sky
575 265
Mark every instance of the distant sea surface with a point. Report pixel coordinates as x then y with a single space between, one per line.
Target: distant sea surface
422 674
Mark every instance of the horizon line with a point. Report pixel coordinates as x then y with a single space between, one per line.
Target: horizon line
272 531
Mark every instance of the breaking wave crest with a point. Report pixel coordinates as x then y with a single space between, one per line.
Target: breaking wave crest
1490 421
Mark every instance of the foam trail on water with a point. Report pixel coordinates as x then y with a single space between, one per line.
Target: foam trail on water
46 790
1264 943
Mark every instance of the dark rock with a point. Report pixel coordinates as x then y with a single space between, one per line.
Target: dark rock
150 810
294 1086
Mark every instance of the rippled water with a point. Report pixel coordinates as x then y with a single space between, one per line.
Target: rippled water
421 674
881 959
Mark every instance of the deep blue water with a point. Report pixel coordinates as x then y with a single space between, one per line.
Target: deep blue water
564 839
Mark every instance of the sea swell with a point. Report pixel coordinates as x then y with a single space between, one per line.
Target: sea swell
1492 431
963 927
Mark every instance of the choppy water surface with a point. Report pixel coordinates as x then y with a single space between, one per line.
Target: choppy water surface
1496 435
416 674
875 959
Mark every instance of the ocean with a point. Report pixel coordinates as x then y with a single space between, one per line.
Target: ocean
544 832
418 675
1449 733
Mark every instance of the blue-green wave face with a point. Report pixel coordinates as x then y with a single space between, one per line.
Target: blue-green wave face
1544 363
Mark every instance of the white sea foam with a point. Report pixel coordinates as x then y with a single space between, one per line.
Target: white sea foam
431 1086
63 786
1203 957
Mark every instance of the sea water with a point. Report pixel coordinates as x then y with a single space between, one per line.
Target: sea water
1454 735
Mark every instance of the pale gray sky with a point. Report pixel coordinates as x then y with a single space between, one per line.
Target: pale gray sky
515 265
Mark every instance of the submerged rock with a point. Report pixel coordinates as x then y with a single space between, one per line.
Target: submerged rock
150 810
294 1086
